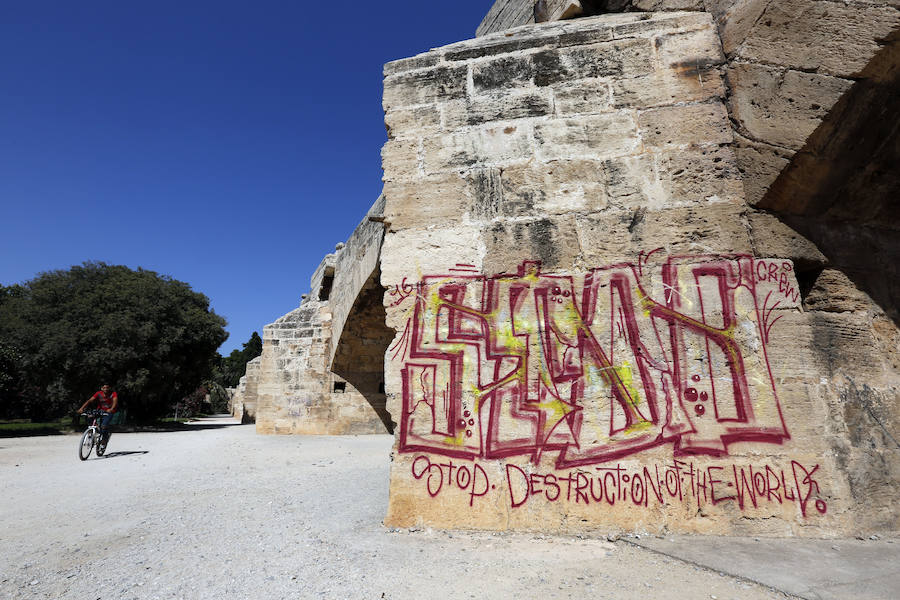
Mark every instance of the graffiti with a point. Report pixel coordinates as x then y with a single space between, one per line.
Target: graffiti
400 292
592 367
747 486
679 481
469 478
779 273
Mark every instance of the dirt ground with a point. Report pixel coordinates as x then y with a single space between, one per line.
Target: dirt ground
221 512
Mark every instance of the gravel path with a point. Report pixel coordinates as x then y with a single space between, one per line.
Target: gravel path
225 513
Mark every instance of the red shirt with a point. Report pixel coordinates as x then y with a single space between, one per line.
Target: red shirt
104 402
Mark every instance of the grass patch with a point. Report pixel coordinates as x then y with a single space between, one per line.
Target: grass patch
26 428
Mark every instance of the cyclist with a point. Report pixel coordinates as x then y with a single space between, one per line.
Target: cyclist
107 401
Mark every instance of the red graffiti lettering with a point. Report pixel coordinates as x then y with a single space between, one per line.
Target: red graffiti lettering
531 363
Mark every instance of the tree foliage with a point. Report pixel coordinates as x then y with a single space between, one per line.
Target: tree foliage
234 365
148 335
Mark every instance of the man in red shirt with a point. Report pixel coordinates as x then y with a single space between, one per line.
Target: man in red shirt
107 401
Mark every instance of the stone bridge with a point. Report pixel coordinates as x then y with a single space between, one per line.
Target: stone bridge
634 267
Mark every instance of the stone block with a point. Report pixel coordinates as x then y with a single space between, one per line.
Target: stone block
506 14
625 58
486 146
736 18
760 165
416 121
412 253
500 107
400 158
554 242
502 73
700 174
582 97
556 10
679 126
773 238
666 88
610 238
596 136
442 198
663 5
424 87
690 52
836 38
781 107
844 345
646 25
833 291
422 61
556 187
632 182
485 188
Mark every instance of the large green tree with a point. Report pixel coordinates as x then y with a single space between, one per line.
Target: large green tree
150 336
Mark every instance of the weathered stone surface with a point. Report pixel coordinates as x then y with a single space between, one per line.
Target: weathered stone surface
424 86
673 126
546 67
760 165
628 58
608 238
658 5
692 51
508 243
422 120
414 252
662 90
501 107
833 291
598 136
583 97
246 398
405 153
442 198
410 64
778 107
834 38
699 175
736 18
556 10
772 237
506 14
484 146
555 187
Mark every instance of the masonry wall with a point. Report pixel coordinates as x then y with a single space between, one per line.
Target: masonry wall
300 392
595 328
245 398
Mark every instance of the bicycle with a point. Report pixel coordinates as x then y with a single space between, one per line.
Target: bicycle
92 436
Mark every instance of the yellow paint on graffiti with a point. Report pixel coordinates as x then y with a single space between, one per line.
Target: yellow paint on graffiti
625 376
639 426
510 342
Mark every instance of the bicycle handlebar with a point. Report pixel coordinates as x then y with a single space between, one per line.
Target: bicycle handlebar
95 413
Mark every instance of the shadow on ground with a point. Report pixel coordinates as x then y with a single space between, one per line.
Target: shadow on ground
124 453
151 427
170 426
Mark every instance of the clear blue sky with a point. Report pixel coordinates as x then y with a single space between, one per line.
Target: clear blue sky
226 144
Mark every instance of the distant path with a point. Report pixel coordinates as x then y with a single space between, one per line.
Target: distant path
225 513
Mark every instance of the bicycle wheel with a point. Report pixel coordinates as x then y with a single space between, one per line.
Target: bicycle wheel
87 443
101 445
